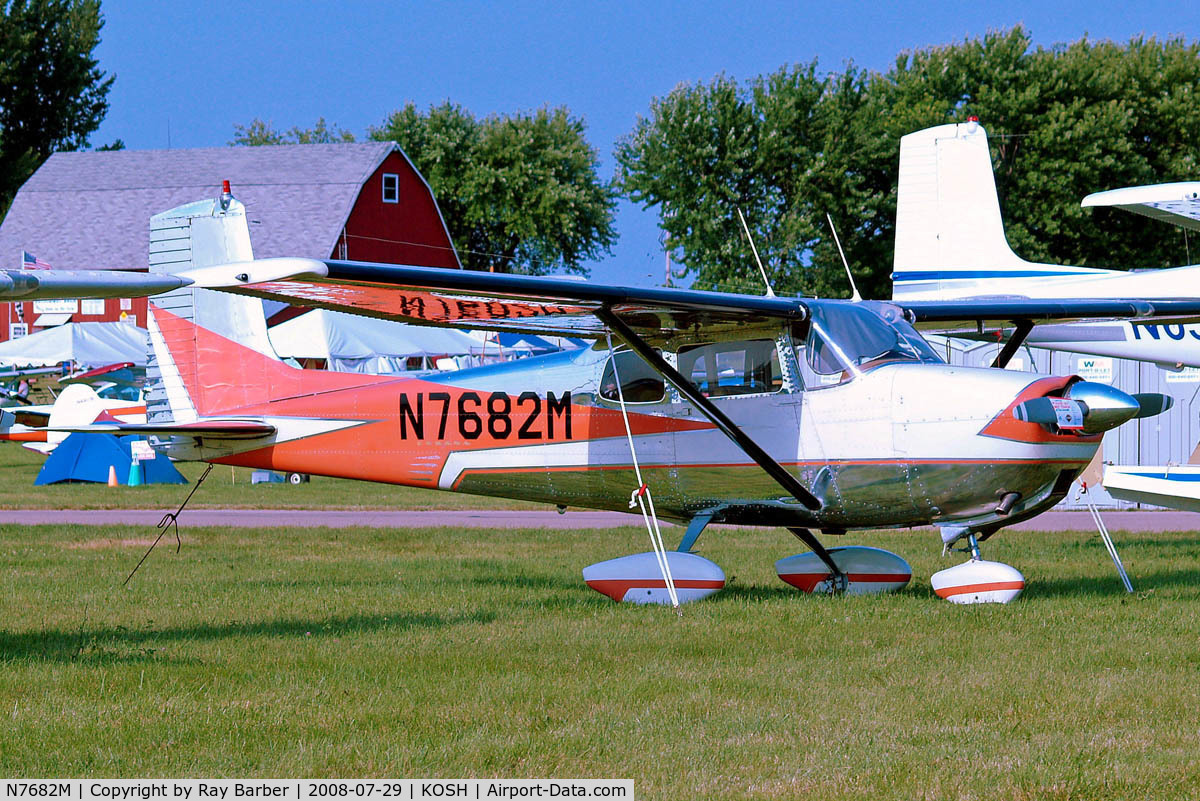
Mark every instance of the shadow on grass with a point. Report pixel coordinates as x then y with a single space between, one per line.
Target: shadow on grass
1159 580
756 593
314 584
119 644
1075 587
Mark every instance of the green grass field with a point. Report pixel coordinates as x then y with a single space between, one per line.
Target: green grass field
225 488
444 653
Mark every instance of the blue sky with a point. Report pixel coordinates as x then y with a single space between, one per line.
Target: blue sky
187 73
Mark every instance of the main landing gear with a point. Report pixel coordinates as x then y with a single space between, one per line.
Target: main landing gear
853 570
976 581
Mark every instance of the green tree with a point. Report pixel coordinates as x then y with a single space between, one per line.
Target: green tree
777 150
1063 121
519 193
53 94
261 132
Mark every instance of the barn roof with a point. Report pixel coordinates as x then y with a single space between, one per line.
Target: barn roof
91 210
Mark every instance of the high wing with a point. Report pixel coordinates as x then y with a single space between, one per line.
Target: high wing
1175 203
555 305
478 300
641 317
50 284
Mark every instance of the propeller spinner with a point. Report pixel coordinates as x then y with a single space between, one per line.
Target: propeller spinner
1091 408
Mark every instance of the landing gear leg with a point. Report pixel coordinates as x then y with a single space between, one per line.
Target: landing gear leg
837 579
952 534
695 526
973 546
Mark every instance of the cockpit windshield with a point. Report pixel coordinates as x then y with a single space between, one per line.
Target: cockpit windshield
843 337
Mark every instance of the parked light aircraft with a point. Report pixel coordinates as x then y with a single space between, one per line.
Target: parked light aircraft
950 244
45 284
40 428
800 413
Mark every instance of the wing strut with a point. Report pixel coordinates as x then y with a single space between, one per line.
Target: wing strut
642 496
690 391
1010 347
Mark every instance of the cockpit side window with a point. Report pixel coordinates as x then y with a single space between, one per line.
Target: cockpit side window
733 368
820 363
640 383
843 340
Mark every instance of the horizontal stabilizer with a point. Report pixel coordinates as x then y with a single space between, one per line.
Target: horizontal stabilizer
1175 203
222 429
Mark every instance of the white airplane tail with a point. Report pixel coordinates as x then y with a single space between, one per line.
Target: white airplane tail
950 239
77 404
199 234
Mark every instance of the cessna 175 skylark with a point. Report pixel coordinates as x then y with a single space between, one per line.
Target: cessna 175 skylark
806 414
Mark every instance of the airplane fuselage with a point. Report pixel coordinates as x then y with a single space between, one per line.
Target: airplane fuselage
901 444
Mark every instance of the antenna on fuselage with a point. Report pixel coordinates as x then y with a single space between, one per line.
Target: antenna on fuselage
854 296
761 271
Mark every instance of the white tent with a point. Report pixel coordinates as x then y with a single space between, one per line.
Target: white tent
352 343
86 344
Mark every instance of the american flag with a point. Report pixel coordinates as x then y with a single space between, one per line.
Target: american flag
32 262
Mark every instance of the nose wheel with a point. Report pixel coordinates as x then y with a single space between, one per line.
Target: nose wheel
976 581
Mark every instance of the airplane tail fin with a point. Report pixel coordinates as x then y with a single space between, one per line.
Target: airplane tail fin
197 234
209 351
950 239
77 404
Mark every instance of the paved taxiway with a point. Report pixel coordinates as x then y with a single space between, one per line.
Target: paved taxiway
575 519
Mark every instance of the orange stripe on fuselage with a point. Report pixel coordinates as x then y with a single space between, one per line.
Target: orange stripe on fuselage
228 379
1006 426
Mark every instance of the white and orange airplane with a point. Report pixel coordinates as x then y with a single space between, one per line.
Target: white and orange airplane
698 407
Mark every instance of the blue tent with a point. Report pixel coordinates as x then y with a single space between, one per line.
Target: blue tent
87 457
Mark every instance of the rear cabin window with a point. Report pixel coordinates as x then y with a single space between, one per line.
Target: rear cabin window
733 368
640 383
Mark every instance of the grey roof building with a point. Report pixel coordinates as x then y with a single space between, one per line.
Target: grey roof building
91 210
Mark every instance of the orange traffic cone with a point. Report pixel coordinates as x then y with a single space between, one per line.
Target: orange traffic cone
112 475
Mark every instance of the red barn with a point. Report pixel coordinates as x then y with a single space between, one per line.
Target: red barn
364 202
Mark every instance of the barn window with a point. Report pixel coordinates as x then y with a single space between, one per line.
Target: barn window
391 187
